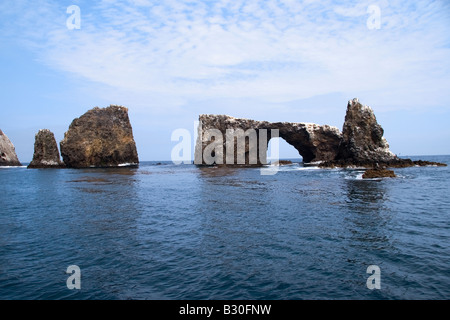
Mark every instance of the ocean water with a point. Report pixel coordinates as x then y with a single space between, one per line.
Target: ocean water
162 231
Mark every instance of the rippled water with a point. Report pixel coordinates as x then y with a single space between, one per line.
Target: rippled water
182 232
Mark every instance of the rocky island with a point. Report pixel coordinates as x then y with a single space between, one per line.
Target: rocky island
8 156
102 137
360 144
46 154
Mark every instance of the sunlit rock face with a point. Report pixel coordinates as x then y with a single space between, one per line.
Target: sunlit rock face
46 153
102 137
8 156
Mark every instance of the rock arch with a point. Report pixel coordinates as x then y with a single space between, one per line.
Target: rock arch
360 143
313 142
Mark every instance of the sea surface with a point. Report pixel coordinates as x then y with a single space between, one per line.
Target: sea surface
163 231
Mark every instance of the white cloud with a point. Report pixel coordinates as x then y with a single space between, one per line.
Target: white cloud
276 50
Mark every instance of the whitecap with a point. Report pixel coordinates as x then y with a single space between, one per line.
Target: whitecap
127 164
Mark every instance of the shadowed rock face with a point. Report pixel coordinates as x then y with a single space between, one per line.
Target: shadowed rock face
100 138
362 137
46 154
312 141
8 156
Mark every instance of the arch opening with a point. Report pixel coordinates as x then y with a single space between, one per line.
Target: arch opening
286 151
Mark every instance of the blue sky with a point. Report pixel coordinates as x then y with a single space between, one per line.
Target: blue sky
169 61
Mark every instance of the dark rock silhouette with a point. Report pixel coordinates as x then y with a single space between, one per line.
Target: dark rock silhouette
102 137
8 156
46 154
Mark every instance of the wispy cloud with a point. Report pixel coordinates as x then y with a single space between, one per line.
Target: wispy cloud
277 50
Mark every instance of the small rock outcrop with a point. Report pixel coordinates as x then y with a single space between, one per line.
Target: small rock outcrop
362 137
8 156
378 173
46 154
102 137
283 163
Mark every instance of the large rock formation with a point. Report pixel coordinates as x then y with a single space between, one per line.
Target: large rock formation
8 156
363 144
215 140
100 138
362 137
360 144
46 154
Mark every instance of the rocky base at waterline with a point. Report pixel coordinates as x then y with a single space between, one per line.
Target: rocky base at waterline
102 137
46 154
395 163
378 173
8 156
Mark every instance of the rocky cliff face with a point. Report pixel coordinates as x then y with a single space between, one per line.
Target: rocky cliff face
100 138
362 136
312 141
8 156
46 154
